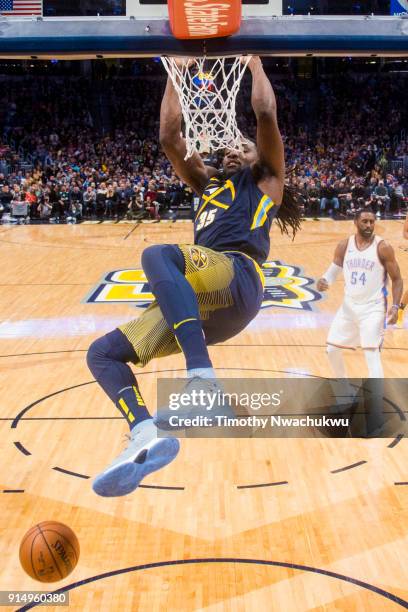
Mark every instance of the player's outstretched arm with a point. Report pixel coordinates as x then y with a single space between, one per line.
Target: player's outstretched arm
405 230
334 269
192 171
268 137
387 257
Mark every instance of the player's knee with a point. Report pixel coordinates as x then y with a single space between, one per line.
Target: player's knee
156 255
150 254
97 354
151 258
112 347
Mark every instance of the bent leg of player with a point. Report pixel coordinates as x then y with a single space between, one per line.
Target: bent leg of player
165 269
343 334
228 291
107 359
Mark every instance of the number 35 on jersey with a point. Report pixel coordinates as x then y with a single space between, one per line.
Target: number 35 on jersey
206 218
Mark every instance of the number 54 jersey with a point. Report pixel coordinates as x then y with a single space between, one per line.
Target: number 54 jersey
234 215
365 277
360 320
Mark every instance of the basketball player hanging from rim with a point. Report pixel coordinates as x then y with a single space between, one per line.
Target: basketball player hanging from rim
205 293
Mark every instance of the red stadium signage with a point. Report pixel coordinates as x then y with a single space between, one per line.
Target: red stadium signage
191 19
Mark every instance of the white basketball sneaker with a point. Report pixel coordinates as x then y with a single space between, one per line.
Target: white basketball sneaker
144 454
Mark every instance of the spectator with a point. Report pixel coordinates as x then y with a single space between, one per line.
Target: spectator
112 199
398 196
328 198
358 194
136 209
44 208
152 208
76 198
381 198
64 198
6 197
101 195
312 198
125 194
89 202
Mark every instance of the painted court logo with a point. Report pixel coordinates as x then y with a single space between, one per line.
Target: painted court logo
285 287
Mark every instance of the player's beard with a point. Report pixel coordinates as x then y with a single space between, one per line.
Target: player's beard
233 169
229 172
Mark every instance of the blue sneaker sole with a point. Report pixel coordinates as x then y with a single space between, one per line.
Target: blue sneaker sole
126 477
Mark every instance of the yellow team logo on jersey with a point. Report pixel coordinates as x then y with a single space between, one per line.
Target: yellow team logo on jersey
199 258
285 286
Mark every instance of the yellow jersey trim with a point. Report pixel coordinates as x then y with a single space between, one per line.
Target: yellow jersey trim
209 199
261 213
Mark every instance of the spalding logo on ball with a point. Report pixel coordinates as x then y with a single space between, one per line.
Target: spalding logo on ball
49 551
204 80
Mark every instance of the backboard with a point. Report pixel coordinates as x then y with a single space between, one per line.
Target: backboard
145 31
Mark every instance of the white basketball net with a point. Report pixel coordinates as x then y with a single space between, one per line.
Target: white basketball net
207 89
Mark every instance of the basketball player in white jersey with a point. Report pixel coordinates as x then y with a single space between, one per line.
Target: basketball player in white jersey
366 262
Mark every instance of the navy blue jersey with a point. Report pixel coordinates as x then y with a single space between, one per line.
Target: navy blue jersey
234 215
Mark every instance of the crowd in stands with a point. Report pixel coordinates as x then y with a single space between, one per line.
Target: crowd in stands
94 151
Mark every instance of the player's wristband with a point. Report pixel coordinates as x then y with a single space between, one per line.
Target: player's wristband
332 273
397 306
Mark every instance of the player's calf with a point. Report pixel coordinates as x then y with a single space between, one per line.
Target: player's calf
107 359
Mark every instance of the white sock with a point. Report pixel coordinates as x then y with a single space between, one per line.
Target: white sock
201 373
373 360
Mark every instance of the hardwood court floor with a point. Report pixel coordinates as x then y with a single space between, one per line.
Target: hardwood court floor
316 537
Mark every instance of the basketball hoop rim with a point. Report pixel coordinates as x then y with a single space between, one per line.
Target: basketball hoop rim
209 115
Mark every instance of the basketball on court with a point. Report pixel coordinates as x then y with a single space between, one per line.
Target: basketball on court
49 551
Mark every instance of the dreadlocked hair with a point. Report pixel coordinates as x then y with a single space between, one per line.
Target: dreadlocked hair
289 215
